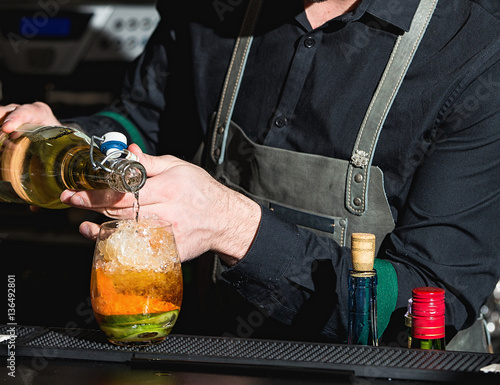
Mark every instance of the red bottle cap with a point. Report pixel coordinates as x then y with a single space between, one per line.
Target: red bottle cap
428 313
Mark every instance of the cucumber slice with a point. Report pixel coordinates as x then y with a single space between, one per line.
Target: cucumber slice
139 327
167 318
135 334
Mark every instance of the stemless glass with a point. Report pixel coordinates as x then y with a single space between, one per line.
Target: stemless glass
136 282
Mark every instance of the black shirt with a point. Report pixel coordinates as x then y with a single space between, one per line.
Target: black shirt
308 90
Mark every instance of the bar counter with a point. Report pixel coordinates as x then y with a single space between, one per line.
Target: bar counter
54 356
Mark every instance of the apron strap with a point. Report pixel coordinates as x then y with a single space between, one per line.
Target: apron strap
233 81
361 159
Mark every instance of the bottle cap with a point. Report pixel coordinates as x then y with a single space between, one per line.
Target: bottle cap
113 142
363 251
428 301
428 313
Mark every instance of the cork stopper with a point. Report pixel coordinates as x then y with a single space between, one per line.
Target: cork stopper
363 251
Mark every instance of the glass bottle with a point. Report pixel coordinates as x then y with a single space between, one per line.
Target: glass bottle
408 322
37 163
362 299
428 318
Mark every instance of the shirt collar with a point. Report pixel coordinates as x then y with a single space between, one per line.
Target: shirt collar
396 12
399 13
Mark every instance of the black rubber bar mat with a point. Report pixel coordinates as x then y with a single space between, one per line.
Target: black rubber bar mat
250 354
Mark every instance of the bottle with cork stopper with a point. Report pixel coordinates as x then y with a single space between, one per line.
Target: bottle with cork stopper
362 299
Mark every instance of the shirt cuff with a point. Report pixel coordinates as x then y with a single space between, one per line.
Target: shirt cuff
273 249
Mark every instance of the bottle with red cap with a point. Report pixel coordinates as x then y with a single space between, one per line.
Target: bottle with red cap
428 318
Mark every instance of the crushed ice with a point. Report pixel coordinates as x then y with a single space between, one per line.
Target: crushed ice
141 245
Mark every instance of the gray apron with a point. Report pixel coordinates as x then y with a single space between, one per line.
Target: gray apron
331 197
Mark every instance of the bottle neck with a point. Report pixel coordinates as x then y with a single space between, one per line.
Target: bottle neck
362 305
428 344
126 175
122 175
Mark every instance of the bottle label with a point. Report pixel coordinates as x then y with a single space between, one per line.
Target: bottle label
82 136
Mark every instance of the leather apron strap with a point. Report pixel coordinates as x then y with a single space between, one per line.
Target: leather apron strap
233 81
402 54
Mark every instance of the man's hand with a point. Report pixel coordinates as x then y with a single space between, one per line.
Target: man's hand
14 115
205 214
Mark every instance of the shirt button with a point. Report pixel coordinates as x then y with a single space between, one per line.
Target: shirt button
309 42
281 121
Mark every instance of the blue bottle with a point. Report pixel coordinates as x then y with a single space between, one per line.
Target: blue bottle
362 305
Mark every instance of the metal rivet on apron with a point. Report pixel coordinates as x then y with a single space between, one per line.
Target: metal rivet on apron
220 129
217 152
357 201
358 178
342 223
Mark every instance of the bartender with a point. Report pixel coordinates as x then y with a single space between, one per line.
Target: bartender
309 135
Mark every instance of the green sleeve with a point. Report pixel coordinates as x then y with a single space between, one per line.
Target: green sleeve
387 292
128 126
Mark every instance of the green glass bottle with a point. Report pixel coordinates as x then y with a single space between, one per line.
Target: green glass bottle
37 163
408 322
